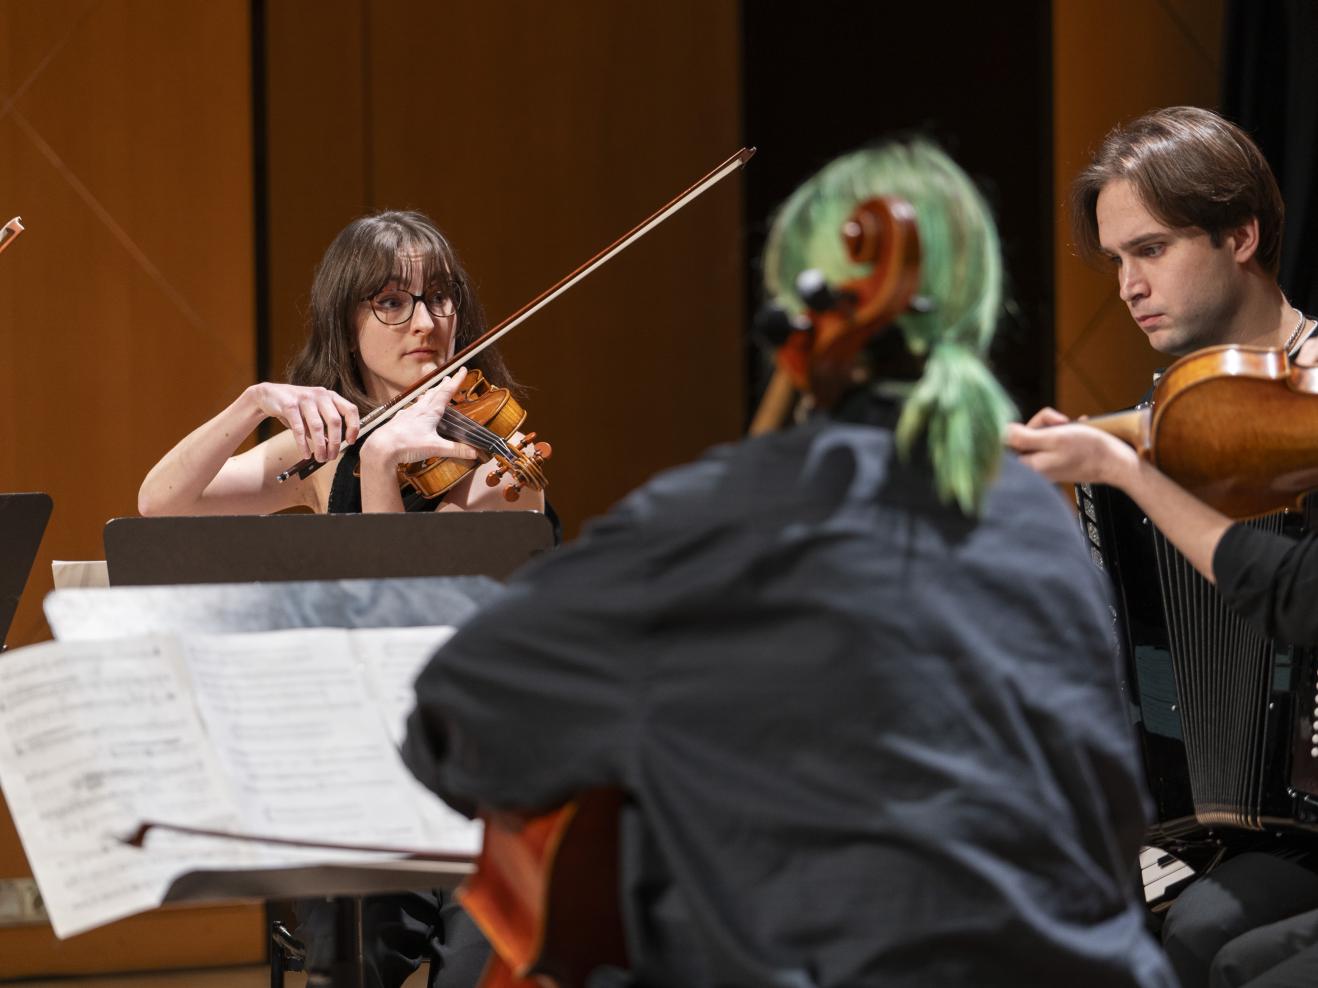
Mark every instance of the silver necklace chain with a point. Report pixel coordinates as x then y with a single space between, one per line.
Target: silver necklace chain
1295 334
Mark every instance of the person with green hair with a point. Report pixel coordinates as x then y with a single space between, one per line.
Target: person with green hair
957 407
854 678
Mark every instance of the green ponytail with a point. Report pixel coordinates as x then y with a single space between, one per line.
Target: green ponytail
957 406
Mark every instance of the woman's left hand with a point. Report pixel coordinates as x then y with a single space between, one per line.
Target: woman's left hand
412 434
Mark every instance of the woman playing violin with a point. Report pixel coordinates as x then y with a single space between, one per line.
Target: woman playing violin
390 303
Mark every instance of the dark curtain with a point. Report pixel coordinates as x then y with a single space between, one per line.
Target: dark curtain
1270 87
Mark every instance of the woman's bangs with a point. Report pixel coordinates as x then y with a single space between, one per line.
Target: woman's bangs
425 253
378 263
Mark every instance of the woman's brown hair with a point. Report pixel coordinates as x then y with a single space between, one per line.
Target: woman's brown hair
1190 168
368 254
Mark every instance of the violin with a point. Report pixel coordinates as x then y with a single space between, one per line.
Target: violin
377 417
1236 426
817 354
485 417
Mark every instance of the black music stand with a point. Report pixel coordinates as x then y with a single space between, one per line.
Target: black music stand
23 519
265 569
239 548
83 613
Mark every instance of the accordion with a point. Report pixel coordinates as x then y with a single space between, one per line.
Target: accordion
1227 719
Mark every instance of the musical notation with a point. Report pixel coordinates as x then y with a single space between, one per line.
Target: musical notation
287 733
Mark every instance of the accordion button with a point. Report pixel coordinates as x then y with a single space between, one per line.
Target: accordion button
1313 752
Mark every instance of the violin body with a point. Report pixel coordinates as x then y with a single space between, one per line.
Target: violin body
487 417
1237 426
495 409
545 894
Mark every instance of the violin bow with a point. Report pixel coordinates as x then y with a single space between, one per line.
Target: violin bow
10 231
137 838
378 416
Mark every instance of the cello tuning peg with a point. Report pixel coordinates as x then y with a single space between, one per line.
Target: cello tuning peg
773 324
818 294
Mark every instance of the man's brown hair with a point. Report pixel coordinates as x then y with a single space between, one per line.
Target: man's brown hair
1190 168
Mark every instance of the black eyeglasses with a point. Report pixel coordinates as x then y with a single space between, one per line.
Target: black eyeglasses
394 307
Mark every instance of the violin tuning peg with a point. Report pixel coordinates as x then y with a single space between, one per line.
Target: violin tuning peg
494 478
512 492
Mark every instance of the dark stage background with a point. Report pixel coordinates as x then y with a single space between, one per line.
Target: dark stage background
825 77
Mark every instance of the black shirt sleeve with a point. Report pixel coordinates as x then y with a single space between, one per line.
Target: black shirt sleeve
1271 581
531 702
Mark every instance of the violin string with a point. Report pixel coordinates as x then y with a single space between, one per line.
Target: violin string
474 428
469 430
464 428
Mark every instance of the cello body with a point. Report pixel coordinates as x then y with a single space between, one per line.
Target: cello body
545 893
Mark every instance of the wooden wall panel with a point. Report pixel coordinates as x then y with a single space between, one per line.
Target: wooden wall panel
535 135
125 312
127 306
316 154
1112 61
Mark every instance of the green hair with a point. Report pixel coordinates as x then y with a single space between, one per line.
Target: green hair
957 405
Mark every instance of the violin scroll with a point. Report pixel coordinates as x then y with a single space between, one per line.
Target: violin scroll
525 467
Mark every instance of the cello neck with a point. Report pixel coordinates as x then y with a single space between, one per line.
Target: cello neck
1131 427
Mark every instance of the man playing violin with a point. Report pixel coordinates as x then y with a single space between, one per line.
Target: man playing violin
858 740
390 303
1185 208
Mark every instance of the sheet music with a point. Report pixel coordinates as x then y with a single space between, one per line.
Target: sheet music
390 660
309 754
92 737
284 733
